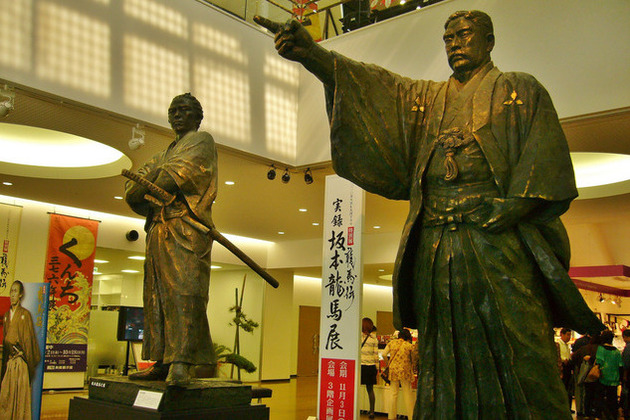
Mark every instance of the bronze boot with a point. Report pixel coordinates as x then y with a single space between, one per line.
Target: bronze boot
178 374
157 372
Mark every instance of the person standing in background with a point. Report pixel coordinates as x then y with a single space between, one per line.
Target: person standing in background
585 392
580 342
403 363
608 358
565 360
369 360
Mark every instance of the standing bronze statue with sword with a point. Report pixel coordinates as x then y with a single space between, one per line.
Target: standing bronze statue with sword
175 191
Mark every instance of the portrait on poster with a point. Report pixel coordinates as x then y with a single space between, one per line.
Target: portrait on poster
24 315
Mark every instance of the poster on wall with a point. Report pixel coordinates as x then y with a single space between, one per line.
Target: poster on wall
10 217
340 326
69 271
24 317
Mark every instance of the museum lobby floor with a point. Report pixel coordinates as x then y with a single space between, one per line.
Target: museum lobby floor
292 400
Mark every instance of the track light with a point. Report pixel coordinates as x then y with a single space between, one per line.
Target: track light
308 176
286 177
271 173
8 103
601 298
137 137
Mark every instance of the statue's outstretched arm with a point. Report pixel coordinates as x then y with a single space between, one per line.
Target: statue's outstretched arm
294 43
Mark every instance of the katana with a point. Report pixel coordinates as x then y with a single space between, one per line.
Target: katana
166 197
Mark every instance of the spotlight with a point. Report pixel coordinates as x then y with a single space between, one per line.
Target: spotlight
271 173
308 176
286 177
8 104
132 235
137 137
601 298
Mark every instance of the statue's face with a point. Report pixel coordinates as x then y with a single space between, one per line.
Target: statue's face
466 47
182 116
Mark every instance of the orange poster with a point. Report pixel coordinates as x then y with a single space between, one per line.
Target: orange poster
69 267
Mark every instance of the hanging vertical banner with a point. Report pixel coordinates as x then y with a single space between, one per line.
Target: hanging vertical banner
24 317
10 217
69 267
340 326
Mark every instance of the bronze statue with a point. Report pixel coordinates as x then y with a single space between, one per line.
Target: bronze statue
482 266
178 245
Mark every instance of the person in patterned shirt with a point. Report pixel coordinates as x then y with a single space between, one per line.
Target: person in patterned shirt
403 363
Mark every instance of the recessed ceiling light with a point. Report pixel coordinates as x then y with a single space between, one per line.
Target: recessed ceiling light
315 224
117 197
137 257
601 174
7 183
302 210
229 182
130 271
280 233
42 153
377 227
101 261
381 270
215 267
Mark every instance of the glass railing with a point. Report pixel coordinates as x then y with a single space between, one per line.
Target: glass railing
323 18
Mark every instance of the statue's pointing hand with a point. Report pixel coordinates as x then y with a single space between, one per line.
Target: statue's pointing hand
293 41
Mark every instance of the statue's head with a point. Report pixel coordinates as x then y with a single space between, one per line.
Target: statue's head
468 39
185 114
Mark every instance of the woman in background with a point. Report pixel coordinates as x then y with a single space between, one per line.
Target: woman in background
369 360
20 357
403 362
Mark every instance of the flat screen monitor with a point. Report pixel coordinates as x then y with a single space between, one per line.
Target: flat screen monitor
130 324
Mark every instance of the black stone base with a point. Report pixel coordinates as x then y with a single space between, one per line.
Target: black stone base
199 394
87 409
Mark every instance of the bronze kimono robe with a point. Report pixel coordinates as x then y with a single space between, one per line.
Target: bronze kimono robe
484 304
177 265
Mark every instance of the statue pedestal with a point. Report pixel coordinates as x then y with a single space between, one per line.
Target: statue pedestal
118 398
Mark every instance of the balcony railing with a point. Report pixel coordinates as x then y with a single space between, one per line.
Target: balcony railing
323 18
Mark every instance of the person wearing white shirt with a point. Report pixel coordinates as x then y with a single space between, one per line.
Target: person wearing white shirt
369 360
